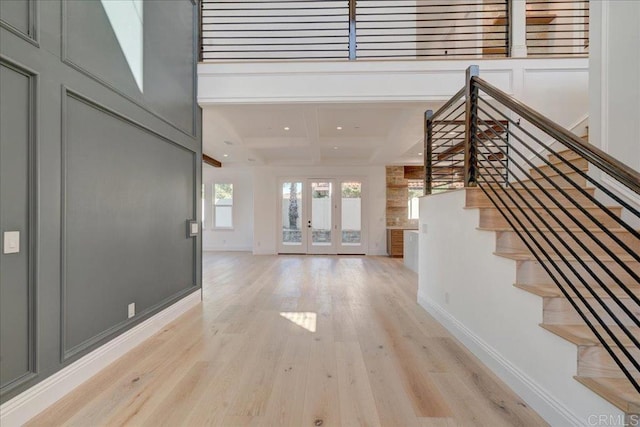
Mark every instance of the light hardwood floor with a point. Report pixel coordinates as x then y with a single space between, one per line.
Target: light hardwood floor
298 341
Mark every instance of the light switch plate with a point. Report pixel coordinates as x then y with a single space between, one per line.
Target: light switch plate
192 228
11 242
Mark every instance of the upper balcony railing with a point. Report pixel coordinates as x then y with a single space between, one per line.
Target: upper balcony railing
256 30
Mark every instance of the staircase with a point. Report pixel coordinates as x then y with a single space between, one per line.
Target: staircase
596 368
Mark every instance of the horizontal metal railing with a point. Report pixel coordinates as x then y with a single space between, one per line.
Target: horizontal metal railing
274 30
444 146
256 30
557 27
588 249
426 29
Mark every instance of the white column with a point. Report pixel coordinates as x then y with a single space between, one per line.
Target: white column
518 28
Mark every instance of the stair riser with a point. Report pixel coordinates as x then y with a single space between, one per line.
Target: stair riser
509 241
492 218
560 180
552 290
595 361
532 272
558 311
581 164
617 391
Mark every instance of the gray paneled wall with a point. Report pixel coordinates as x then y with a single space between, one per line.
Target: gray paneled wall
16 290
98 176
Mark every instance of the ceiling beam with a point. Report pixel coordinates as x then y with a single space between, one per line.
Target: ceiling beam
211 161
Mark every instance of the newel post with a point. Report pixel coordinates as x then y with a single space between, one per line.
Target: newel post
471 129
428 151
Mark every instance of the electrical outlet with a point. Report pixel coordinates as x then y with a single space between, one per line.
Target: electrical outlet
131 310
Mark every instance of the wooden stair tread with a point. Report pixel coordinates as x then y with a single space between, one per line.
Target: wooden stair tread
532 18
558 229
494 50
551 290
581 335
526 256
618 391
553 208
564 187
578 163
568 155
561 180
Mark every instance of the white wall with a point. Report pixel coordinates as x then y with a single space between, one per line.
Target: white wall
614 87
372 81
266 193
240 238
472 294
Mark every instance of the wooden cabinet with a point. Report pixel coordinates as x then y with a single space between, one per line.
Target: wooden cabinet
395 242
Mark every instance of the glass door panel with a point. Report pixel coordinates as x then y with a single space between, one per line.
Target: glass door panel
351 215
320 222
292 238
352 233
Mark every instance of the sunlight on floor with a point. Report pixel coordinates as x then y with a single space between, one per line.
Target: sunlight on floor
305 320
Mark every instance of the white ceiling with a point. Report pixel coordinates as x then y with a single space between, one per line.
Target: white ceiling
371 134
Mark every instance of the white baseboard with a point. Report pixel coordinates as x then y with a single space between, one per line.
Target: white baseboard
532 393
31 402
228 248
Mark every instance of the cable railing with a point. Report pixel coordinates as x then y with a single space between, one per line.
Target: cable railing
588 249
293 30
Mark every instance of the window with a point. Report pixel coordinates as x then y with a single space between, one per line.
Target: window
416 190
223 206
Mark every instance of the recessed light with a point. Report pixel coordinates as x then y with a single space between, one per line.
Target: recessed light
335 148
339 127
419 154
287 128
225 155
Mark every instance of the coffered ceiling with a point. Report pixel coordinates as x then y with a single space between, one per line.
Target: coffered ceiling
315 134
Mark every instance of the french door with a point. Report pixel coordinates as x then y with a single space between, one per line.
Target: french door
321 216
